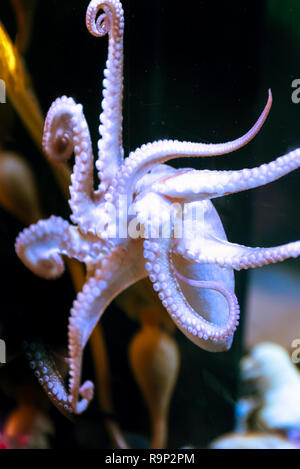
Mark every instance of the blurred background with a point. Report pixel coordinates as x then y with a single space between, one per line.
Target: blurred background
198 73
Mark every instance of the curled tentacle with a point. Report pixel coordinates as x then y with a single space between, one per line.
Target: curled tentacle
115 274
65 132
85 313
204 184
110 145
102 25
41 246
210 327
141 160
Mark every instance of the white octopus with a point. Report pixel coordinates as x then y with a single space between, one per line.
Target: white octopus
192 274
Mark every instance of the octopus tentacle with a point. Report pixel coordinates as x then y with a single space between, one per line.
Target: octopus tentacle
142 159
204 184
86 311
110 144
45 370
65 132
164 275
115 274
41 246
210 250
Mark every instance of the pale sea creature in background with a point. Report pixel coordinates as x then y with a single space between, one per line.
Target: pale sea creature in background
276 382
251 441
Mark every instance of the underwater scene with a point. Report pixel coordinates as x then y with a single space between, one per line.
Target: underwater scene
149 228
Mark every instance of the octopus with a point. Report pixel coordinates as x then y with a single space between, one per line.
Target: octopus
129 227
